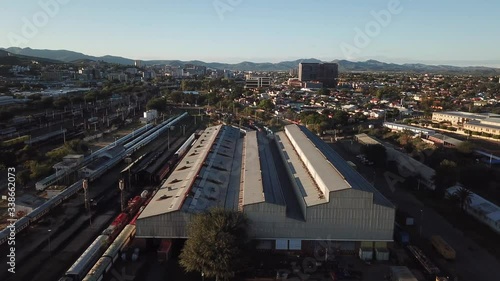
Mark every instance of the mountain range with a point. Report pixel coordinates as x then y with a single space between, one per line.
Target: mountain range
65 56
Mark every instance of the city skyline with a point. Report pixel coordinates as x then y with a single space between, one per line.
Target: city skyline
397 31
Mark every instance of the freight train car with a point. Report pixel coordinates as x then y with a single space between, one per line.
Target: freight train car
116 226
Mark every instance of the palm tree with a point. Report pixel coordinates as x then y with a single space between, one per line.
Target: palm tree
463 196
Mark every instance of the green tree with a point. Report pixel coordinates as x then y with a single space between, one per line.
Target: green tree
176 96
324 92
61 102
446 174
38 170
266 104
465 147
462 197
340 117
23 177
159 104
216 244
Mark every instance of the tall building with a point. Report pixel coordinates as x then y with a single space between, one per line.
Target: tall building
137 63
326 73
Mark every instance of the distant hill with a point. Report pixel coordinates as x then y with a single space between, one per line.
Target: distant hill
66 56
344 65
8 58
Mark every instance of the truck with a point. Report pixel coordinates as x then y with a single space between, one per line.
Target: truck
443 248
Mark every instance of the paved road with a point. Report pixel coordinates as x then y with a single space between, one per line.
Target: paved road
473 262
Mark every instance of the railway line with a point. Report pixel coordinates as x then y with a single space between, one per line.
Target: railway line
89 266
131 144
76 220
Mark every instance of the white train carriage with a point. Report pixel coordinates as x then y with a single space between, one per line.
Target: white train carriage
185 146
22 223
109 257
85 262
4 235
121 241
40 211
71 190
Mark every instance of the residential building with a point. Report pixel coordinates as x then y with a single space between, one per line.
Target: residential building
488 126
460 118
122 77
487 123
190 70
257 82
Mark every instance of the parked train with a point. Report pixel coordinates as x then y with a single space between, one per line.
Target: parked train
108 259
116 236
172 161
55 201
46 182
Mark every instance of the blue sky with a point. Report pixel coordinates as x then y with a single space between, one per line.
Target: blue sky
446 31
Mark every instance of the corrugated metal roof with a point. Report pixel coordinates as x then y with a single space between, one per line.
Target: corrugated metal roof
325 174
253 189
366 139
307 187
345 175
204 178
273 192
173 192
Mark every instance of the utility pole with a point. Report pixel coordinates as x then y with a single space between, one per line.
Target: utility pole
121 186
50 248
87 205
85 190
421 221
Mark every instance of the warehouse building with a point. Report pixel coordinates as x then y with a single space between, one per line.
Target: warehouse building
458 117
293 187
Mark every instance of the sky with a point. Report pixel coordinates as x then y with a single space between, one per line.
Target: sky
453 32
